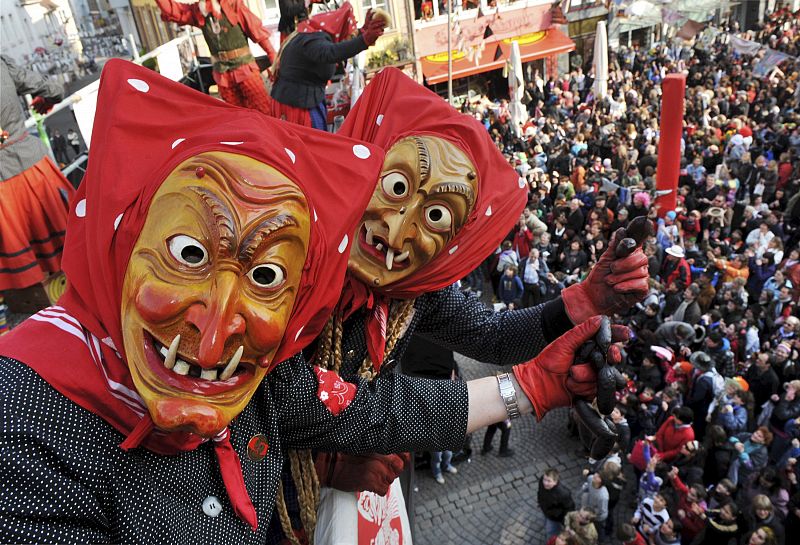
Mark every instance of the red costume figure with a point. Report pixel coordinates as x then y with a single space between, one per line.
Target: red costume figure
33 192
226 26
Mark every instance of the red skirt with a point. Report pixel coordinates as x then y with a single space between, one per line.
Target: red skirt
292 114
33 223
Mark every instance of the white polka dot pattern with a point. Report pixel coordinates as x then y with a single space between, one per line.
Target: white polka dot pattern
80 208
139 85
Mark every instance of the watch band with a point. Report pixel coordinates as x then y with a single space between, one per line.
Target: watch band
509 394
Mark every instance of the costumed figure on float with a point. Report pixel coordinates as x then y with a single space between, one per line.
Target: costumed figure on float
308 56
226 26
445 199
33 192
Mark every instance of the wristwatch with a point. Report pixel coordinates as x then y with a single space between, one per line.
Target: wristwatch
509 394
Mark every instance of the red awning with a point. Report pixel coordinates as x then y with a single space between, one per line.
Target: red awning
532 46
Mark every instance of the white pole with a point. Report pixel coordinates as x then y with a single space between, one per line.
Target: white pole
449 56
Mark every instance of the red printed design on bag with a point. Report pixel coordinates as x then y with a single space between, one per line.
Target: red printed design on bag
379 520
334 393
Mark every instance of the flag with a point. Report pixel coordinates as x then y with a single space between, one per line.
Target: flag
770 60
498 53
488 32
690 29
746 47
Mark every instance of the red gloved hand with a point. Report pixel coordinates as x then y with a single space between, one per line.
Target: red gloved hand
41 105
372 29
614 284
350 473
550 380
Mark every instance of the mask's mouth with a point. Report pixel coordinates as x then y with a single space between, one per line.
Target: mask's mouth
182 372
377 247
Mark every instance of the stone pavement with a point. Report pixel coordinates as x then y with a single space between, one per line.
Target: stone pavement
492 500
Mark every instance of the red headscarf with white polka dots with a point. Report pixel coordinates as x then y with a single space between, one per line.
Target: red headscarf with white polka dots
144 127
340 23
393 107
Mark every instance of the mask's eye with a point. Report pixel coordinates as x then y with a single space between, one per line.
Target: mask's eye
266 276
188 251
395 185
438 217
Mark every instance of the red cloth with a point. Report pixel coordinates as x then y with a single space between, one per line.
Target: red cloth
292 114
34 220
340 23
145 126
392 107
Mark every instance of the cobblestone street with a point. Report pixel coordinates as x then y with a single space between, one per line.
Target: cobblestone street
492 500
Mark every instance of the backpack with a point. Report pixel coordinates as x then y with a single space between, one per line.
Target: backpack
717 382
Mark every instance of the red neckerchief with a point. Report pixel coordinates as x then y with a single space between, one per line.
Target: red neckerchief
356 295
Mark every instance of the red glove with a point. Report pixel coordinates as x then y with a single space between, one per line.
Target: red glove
350 473
41 105
372 29
614 284
550 380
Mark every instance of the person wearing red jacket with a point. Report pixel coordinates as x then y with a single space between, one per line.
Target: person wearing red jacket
691 505
226 26
523 238
668 441
675 432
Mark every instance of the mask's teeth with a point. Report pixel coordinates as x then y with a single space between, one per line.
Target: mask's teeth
389 258
370 240
208 374
181 367
232 364
401 257
172 353
379 246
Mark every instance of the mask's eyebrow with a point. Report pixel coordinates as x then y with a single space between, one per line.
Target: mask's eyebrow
458 188
220 216
424 158
263 231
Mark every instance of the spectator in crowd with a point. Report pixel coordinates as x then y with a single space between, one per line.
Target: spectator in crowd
555 501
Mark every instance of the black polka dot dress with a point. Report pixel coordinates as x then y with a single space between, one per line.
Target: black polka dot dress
65 479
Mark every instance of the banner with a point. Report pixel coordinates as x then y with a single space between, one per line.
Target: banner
745 47
707 37
690 29
770 60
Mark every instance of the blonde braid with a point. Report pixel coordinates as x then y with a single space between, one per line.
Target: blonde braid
283 515
304 475
337 343
324 347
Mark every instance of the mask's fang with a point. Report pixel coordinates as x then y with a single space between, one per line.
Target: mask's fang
401 257
232 364
172 353
389 258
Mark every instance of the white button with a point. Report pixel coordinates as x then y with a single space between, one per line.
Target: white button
211 506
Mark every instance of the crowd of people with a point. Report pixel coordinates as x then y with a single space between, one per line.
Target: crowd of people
709 423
